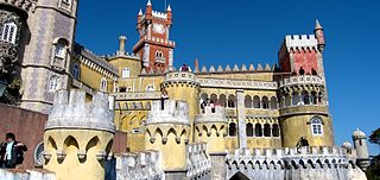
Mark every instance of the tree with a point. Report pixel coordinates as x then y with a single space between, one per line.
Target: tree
375 137
373 172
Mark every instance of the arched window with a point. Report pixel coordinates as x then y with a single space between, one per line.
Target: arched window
126 73
67 2
103 84
273 103
222 100
258 130
267 130
265 102
53 83
249 130
296 99
301 71
150 88
313 97
276 130
306 97
213 98
204 96
256 102
316 126
314 72
9 32
288 100
320 98
248 101
76 71
232 130
231 101
60 49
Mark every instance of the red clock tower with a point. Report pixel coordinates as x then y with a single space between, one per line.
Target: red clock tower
154 47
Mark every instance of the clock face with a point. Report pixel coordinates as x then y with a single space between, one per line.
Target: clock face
158 28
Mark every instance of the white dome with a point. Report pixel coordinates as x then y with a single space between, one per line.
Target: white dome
359 134
347 145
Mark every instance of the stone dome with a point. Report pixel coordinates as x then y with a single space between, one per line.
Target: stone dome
359 134
347 145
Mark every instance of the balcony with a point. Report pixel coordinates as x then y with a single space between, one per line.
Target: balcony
302 80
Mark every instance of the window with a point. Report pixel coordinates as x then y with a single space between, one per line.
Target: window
150 88
248 101
258 130
316 126
76 71
267 130
231 101
126 73
67 2
232 130
265 102
53 83
273 103
256 102
103 84
9 32
60 50
275 130
249 130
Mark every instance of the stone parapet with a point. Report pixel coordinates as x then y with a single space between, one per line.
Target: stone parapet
26 175
198 161
210 115
237 84
176 112
180 77
71 111
140 166
302 80
24 5
155 95
304 109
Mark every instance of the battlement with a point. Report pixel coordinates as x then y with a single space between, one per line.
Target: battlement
158 14
198 161
72 111
17 174
236 68
24 5
302 80
306 157
293 42
172 112
144 165
216 114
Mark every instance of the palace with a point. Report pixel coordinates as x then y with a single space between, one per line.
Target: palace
210 123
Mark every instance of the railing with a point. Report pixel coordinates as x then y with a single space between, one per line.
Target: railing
154 95
297 80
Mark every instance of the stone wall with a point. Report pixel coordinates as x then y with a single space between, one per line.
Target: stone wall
26 175
28 126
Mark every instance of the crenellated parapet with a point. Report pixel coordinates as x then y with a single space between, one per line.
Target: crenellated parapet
297 163
12 174
70 110
236 69
210 114
173 112
198 161
301 42
25 5
180 78
139 166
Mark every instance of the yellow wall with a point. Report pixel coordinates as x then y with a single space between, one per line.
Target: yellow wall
71 142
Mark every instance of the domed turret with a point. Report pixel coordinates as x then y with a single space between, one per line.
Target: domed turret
360 144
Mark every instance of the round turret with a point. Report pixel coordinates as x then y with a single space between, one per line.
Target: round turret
361 147
211 128
78 135
167 131
304 111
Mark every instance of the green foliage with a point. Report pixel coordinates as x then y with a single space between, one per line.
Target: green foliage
375 137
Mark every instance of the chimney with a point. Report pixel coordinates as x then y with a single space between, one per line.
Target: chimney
122 40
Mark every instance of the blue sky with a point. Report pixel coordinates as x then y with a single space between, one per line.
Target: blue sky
251 31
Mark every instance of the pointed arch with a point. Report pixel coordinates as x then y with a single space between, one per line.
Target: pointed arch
52 143
158 132
171 131
92 143
70 141
239 176
109 146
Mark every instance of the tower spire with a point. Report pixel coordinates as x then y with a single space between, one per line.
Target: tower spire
317 25
149 3
169 8
140 12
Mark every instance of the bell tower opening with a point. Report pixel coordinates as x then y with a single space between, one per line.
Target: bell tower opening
239 176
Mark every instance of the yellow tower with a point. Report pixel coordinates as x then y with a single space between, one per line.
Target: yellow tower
78 136
211 128
304 111
167 131
182 86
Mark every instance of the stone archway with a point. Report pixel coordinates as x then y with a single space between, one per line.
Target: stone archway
239 176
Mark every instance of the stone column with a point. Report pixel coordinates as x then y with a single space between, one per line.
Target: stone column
122 40
241 119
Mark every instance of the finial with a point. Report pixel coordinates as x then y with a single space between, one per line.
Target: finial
317 24
169 8
149 3
140 13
